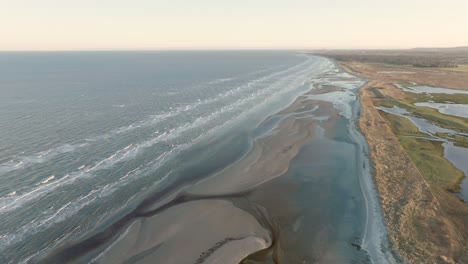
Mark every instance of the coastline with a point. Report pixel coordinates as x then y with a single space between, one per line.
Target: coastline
419 226
234 214
375 238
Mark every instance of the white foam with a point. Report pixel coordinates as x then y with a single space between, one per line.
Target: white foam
256 99
51 218
44 156
13 202
22 162
341 100
47 180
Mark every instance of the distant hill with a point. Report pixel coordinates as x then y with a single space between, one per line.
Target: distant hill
418 57
452 49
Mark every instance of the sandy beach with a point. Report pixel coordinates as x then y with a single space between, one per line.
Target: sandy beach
225 132
302 193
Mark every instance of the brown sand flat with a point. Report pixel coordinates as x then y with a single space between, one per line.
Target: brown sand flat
223 232
418 224
218 230
269 157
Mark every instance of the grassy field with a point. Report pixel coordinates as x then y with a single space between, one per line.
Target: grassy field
439 98
402 126
427 155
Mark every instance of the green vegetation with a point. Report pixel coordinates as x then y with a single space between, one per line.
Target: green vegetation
437 98
427 155
389 102
377 93
405 84
442 120
459 141
431 115
402 126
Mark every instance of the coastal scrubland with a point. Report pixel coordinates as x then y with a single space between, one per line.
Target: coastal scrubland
427 222
449 58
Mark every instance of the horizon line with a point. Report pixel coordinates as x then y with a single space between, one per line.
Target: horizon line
222 49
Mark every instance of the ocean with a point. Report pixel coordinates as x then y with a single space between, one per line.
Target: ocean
87 138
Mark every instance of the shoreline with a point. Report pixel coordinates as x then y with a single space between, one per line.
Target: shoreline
375 237
419 226
248 190
214 188
378 246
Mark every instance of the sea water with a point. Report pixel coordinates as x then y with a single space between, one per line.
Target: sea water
86 136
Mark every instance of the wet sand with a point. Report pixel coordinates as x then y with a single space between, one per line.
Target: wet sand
301 194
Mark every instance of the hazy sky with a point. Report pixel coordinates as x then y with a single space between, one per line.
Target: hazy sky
233 24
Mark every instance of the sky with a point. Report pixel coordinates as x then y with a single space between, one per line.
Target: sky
231 24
